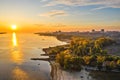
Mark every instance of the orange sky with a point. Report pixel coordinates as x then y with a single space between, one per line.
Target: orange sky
46 28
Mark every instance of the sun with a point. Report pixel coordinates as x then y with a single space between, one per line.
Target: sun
14 27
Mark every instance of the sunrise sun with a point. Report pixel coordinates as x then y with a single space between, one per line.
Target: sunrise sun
14 27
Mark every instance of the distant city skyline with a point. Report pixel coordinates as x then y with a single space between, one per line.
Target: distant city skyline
65 15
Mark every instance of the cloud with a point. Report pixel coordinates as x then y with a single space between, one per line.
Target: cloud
39 24
54 13
98 8
60 25
43 0
101 3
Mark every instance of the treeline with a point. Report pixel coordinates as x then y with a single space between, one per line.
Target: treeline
87 52
81 46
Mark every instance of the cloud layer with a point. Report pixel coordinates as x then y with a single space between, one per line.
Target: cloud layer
101 3
54 13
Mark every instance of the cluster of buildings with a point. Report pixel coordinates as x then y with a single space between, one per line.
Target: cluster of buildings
92 33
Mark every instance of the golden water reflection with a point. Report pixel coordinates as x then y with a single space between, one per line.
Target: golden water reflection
19 74
14 39
16 55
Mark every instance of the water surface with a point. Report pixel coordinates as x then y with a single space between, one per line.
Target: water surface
16 51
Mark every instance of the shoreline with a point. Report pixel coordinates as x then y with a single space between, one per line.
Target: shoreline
56 71
63 38
60 74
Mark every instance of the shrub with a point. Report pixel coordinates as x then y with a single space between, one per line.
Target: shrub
61 57
100 60
110 65
56 50
102 42
118 62
87 59
77 62
73 63
93 61
118 65
109 58
68 61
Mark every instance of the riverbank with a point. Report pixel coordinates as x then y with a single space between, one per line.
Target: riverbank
57 73
62 37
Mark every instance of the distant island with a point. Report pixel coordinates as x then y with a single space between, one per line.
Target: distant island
3 32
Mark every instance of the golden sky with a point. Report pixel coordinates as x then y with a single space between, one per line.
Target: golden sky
66 15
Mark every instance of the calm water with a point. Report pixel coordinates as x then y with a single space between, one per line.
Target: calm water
15 64
16 51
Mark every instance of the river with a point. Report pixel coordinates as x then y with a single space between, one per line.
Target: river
16 51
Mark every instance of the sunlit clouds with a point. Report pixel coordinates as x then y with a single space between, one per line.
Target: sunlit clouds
105 3
54 13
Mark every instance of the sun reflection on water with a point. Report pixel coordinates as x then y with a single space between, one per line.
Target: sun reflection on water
14 39
16 55
19 74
